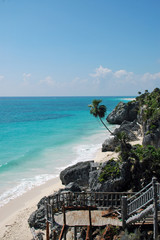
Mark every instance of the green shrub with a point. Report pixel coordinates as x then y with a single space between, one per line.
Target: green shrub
149 158
110 171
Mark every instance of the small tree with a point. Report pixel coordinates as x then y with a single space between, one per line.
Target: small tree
98 111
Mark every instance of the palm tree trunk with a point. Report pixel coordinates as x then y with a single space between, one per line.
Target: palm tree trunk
105 126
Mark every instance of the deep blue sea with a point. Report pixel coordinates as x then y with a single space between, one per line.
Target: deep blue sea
40 136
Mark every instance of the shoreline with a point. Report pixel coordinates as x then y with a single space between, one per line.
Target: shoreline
20 208
12 228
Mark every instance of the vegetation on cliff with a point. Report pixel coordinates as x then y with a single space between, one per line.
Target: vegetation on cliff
149 104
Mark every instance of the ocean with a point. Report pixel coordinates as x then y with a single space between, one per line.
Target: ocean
40 136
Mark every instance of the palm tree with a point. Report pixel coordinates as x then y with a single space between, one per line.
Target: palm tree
98 111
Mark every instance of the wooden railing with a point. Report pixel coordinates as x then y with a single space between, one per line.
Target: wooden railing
140 199
90 199
142 204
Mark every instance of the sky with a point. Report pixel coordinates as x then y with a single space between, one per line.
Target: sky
79 47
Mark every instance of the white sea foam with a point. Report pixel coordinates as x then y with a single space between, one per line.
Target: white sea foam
86 152
24 186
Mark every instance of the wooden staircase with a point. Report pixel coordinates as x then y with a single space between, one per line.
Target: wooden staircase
136 208
143 207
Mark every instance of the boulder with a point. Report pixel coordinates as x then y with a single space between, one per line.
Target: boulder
122 112
151 133
152 139
109 144
37 218
130 128
78 173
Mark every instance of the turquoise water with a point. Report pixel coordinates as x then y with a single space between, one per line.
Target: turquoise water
41 136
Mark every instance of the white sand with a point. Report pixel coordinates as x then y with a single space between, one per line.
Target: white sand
105 156
14 215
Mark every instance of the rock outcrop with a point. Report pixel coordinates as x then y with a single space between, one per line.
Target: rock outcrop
37 218
110 144
152 138
120 183
78 173
131 129
122 112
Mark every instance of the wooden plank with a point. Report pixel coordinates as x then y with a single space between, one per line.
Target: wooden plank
80 218
62 232
88 233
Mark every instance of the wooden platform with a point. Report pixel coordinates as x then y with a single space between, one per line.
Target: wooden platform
81 218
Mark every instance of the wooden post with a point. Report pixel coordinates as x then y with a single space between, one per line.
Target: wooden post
155 213
64 222
47 230
52 216
124 211
90 224
88 233
64 216
75 233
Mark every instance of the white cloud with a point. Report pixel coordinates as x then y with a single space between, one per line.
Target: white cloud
26 77
120 73
121 81
117 76
101 72
48 81
150 76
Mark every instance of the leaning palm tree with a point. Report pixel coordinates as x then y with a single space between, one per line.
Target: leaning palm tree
98 111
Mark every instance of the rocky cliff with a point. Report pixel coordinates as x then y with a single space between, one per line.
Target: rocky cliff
143 111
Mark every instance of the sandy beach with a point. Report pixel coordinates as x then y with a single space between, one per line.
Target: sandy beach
14 215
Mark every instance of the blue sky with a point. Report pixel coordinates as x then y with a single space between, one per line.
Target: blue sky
79 47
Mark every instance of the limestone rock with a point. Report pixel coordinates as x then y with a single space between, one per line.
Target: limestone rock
122 183
152 138
78 173
37 218
130 128
109 144
73 187
123 111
